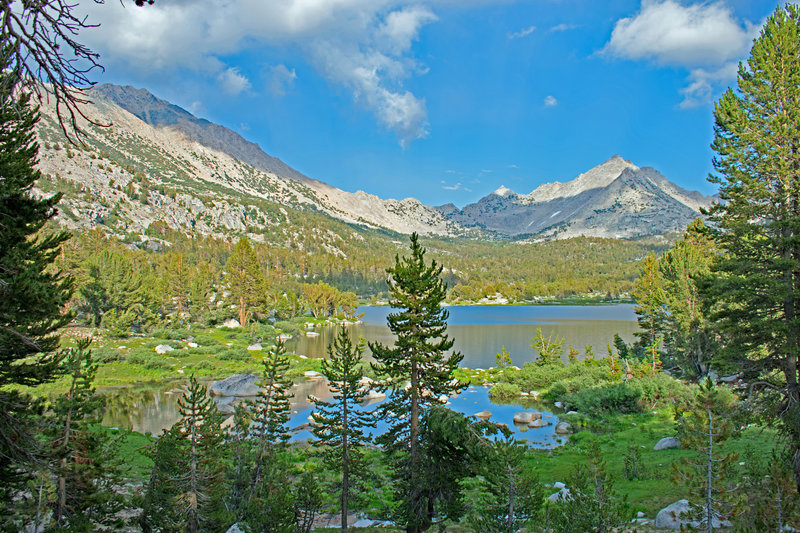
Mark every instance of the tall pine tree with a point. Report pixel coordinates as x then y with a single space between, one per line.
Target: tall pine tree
339 424
419 372
757 225
32 295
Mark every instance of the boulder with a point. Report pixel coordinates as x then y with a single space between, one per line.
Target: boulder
534 394
729 379
164 348
558 404
676 516
538 423
526 417
192 344
483 415
561 496
374 395
284 337
668 443
312 374
255 347
225 405
312 334
235 529
231 323
236 385
558 485
572 412
562 428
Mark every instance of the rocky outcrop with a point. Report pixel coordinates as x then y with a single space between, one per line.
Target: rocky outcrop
668 443
240 385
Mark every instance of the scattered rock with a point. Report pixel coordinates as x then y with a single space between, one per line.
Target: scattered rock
236 385
572 412
675 516
539 423
560 496
284 337
312 374
729 379
668 443
558 485
255 347
164 348
192 344
231 323
526 417
312 334
640 515
534 394
374 395
558 404
225 405
235 529
302 427
562 428
483 415
227 423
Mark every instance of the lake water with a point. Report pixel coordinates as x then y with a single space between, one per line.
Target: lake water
479 332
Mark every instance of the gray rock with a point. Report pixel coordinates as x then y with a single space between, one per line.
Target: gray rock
225 405
668 443
572 412
729 379
255 347
560 496
562 428
676 516
538 423
526 417
483 415
236 385
558 485
192 344
558 404
164 348
235 529
231 323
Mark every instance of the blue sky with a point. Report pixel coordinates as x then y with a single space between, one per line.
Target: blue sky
443 100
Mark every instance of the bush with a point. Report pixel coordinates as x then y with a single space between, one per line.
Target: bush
662 389
206 341
560 389
505 390
609 398
233 354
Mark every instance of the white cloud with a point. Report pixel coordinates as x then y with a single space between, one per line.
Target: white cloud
705 38
233 82
668 33
281 79
522 33
550 101
563 27
365 45
196 107
457 187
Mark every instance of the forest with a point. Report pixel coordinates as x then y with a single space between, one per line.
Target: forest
711 380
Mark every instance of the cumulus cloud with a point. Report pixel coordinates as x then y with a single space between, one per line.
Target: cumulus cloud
281 79
706 38
365 45
550 101
233 82
522 33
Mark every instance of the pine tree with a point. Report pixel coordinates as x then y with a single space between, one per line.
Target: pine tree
32 295
503 358
244 278
704 428
757 225
417 369
650 296
548 349
339 424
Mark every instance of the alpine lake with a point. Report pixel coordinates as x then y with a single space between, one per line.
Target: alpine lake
479 332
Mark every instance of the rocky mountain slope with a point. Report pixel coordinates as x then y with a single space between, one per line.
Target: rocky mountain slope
156 162
615 199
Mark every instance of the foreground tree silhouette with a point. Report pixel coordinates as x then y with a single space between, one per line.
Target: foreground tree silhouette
418 371
32 294
757 286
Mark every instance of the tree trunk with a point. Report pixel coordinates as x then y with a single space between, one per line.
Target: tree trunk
242 311
414 444
62 480
345 467
709 474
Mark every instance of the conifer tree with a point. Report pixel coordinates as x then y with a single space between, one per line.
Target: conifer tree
757 225
703 428
649 295
548 349
339 424
417 369
244 278
84 466
32 295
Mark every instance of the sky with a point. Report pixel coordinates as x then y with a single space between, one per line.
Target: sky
442 100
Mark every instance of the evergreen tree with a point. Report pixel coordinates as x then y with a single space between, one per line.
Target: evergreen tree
548 349
757 225
704 428
32 295
419 372
244 278
339 424
650 296
84 464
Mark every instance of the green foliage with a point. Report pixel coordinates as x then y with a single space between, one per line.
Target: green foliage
503 358
505 391
549 350
244 279
592 504
755 283
608 398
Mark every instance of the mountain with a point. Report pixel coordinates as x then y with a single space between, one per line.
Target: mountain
614 199
146 160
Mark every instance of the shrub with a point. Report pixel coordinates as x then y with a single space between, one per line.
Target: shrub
505 390
609 398
662 389
233 354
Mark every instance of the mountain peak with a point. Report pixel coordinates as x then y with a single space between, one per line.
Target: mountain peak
503 191
600 176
